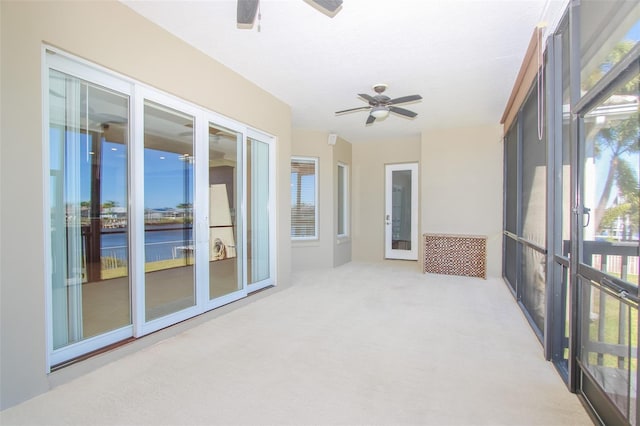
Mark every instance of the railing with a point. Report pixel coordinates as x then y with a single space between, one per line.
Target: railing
609 321
616 258
110 262
609 344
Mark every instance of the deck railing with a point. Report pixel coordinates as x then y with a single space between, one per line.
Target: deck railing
609 322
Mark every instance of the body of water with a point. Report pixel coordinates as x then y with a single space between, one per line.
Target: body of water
160 243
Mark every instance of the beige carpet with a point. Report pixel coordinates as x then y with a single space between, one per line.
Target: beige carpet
361 344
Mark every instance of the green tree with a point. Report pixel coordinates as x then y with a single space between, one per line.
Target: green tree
620 141
626 211
108 205
618 52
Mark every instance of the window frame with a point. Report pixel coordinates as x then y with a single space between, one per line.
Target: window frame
316 227
344 220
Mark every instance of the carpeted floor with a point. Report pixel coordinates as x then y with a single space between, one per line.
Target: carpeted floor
377 343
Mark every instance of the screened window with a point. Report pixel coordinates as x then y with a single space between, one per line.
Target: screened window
343 182
304 198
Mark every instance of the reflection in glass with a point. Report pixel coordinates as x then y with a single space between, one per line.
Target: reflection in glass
563 195
609 30
168 210
611 184
224 176
257 211
401 210
88 136
565 174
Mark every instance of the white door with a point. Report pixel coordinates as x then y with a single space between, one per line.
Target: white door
401 211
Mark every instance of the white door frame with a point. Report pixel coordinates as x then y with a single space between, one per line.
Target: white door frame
389 251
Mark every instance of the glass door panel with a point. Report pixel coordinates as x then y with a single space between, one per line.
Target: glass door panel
401 230
168 210
610 185
225 181
609 262
562 214
88 139
258 220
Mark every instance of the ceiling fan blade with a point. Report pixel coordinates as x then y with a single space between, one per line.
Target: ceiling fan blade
353 109
402 111
404 99
369 98
247 11
371 119
330 5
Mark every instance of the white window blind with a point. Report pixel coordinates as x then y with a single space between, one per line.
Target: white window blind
304 198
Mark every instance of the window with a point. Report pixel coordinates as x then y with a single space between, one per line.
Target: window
304 198
343 199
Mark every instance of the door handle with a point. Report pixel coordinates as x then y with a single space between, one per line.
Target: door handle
388 219
587 211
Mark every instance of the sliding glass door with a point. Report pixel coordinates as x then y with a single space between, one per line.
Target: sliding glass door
158 210
89 231
225 182
260 226
168 210
608 266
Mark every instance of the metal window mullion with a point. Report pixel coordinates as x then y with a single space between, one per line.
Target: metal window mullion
607 84
552 340
518 230
505 195
574 87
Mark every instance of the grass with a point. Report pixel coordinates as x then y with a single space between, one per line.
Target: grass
610 318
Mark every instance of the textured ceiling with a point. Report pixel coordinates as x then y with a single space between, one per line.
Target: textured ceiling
462 56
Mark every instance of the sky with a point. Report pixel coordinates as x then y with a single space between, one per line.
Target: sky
164 176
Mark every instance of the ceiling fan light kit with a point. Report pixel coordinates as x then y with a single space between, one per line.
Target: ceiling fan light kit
381 105
379 112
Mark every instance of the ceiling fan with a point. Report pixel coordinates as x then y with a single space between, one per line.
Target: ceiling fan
380 105
247 10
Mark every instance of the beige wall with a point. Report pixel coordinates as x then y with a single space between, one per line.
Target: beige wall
132 46
327 251
316 253
461 186
369 159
